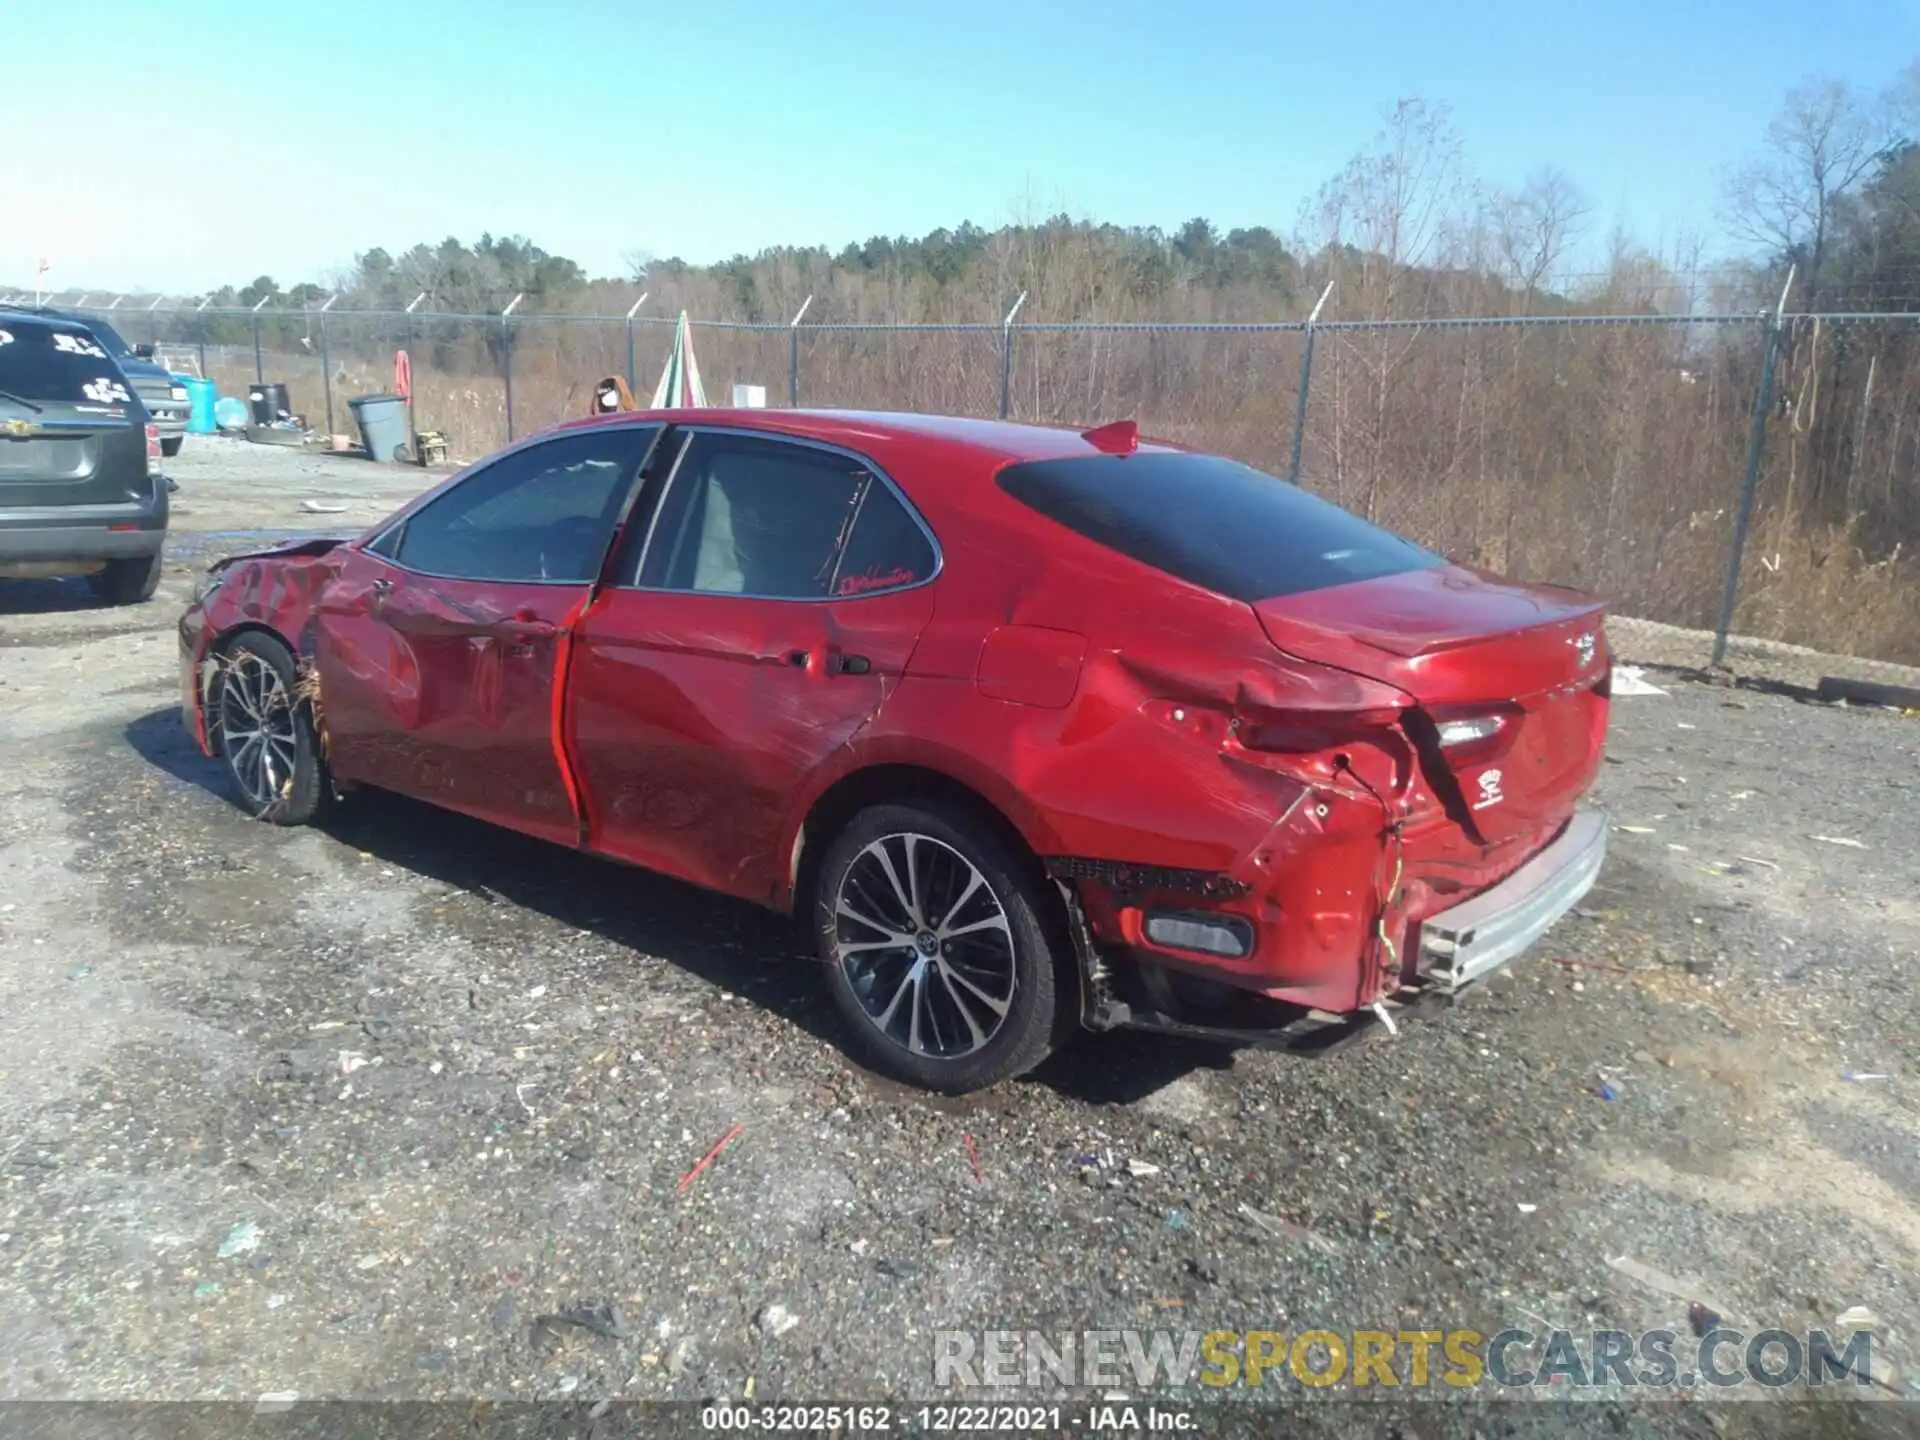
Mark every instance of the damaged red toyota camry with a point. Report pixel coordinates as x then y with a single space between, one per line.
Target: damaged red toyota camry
1039 729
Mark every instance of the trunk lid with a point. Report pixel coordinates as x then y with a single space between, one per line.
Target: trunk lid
1508 680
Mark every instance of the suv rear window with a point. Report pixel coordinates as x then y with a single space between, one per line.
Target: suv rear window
1212 522
39 363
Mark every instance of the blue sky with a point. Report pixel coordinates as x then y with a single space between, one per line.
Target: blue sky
294 135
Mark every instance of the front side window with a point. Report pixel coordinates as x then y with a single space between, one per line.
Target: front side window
539 514
751 516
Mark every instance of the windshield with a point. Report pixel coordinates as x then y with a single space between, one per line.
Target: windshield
1213 522
39 365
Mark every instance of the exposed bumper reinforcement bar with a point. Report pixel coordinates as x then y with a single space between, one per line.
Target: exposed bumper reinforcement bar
1460 945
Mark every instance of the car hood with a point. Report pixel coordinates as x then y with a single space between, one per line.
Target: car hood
288 549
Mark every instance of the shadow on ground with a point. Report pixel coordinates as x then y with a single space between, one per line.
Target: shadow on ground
754 953
48 596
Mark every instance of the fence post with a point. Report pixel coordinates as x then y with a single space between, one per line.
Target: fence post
153 322
1756 445
326 360
1006 357
1306 378
259 368
201 312
506 356
406 337
633 360
793 355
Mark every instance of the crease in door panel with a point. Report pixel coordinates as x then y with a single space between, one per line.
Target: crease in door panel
562 659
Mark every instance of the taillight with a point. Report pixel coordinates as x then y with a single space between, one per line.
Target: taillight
1466 732
1464 738
153 444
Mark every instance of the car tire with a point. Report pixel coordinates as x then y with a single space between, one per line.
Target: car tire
962 1000
127 582
171 447
266 732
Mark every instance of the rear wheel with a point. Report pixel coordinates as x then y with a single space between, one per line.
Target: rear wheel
936 953
127 582
266 732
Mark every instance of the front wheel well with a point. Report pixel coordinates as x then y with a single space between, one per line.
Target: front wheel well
883 785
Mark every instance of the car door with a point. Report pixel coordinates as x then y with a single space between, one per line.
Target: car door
771 607
438 644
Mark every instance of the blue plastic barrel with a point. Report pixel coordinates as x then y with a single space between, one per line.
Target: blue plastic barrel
200 396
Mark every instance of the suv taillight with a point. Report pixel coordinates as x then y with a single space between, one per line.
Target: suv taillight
153 444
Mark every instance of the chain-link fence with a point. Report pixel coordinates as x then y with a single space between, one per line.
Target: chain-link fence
1748 475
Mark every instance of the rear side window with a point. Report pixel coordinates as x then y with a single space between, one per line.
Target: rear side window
108 337
1212 522
887 550
751 516
38 365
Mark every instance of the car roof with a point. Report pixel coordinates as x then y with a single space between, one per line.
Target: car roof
992 442
51 319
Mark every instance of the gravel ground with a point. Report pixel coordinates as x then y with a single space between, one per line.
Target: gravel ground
346 1113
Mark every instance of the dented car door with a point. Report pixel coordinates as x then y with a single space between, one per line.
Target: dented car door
439 645
770 612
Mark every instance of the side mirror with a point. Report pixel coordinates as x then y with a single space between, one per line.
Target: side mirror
144 352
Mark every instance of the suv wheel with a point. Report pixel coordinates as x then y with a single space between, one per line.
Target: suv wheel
127 582
935 951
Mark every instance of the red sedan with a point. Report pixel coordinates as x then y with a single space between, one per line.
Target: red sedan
1039 729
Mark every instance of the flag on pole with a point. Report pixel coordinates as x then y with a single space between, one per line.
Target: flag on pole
679 386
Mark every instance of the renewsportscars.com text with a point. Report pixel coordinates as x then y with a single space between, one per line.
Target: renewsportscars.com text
1141 1360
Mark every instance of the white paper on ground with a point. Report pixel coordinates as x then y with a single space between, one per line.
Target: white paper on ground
1627 681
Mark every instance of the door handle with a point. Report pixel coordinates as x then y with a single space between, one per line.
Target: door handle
852 665
524 631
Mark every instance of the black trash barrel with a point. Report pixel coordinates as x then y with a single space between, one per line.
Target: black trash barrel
268 401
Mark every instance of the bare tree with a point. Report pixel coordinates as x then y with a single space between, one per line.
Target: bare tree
1533 228
1392 204
1822 143
1386 223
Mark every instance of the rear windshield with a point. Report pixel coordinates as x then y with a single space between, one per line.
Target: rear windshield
38 364
107 336
1212 522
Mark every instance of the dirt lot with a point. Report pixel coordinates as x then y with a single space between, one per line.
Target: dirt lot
346 1113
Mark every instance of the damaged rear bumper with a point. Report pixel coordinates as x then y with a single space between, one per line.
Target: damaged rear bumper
1124 986
1474 938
